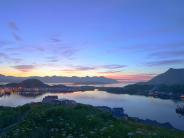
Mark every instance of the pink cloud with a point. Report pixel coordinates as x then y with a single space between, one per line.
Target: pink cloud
131 77
24 68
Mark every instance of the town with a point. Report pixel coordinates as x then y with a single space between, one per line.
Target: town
36 87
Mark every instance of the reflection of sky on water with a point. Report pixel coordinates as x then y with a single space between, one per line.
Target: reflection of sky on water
135 106
118 84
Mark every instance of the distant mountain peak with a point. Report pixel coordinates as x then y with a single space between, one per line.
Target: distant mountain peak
170 77
32 83
60 79
29 83
173 69
170 69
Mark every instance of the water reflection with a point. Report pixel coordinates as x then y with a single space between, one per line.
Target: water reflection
135 106
118 84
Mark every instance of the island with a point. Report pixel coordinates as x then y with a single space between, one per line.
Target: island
36 87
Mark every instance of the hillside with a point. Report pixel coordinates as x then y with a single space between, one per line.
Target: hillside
29 83
170 77
82 121
166 85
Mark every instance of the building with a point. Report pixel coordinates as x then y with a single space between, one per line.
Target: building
49 99
56 101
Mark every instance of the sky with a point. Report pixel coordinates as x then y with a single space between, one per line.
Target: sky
128 40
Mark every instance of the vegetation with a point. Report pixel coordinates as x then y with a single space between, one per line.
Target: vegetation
129 89
169 84
176 89
10 115
141 89
81 121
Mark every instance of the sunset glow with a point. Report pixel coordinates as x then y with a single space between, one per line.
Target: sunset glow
125 40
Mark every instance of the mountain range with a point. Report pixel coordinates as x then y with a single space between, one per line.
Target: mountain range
170 77
60 79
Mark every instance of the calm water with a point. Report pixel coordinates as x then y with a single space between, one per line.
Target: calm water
119 84
135 106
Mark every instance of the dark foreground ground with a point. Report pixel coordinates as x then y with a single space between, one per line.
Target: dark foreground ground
82 121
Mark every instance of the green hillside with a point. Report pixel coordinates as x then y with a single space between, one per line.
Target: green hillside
81 121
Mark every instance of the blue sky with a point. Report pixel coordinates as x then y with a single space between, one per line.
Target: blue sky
123 39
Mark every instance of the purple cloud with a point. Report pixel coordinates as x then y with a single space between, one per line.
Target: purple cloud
84 68
4 42
7 58
2 55
110 72
114 66
55 40
24 68
13 26
16 37
67 52
52 59
168 54
165 62
146 47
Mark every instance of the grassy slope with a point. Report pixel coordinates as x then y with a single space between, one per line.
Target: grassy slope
42 121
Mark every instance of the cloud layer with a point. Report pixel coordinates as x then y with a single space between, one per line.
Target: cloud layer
24 68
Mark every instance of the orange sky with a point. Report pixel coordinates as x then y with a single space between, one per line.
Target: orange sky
121 76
